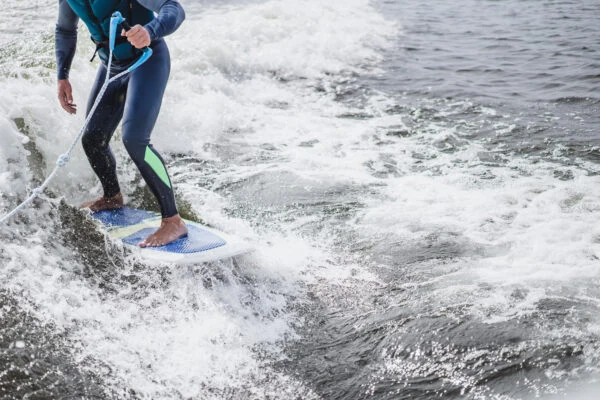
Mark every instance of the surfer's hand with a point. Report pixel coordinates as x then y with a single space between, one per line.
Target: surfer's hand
138 36
65 96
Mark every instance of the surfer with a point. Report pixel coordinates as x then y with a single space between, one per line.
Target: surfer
135 99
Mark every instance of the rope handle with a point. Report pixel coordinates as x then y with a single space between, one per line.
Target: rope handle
116 20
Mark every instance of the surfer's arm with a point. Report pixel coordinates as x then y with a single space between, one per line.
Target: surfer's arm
169 16
65 38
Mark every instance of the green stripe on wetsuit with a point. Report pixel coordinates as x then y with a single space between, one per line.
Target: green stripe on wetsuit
157 166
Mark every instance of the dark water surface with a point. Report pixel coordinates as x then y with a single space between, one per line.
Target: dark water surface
535 62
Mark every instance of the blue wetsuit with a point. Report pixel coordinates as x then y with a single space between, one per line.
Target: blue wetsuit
135 98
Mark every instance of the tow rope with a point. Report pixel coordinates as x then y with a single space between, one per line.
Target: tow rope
115 20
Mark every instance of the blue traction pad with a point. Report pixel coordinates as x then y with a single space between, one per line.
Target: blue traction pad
122 217
197 240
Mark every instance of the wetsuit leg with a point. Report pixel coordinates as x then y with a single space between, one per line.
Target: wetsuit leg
100 129
146 88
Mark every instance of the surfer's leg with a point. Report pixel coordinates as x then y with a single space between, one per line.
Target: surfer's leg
97 136
146 88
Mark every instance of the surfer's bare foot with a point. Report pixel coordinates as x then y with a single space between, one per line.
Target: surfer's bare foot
104 203
171 229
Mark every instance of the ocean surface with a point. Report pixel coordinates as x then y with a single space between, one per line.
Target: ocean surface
420 180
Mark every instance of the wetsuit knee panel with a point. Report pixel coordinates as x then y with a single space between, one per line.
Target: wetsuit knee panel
149 162
135 146
155 162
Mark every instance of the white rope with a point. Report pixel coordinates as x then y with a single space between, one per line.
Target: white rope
64 158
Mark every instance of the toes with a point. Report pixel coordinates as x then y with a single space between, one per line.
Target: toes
147 242
150 241
154 241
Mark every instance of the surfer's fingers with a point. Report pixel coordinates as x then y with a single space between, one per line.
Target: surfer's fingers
138 36
70 109
65 96
67 104
135 30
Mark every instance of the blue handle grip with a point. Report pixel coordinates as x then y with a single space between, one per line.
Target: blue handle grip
115 21
146 53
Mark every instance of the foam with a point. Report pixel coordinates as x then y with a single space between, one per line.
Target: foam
11 152
533 231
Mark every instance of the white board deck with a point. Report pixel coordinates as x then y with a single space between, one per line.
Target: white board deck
202 244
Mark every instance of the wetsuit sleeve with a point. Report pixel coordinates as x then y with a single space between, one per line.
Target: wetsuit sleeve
65 38
170 15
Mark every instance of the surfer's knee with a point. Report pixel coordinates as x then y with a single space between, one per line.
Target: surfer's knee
134 146
87 141
91 141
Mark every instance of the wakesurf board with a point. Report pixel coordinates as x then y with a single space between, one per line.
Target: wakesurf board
202 244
